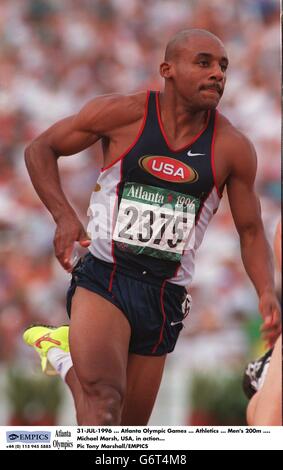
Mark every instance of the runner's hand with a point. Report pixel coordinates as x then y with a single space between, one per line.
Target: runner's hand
271 314
69 230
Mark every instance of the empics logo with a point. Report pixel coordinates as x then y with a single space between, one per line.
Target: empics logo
168 169
28 436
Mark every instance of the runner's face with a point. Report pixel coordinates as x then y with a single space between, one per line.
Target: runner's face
199 72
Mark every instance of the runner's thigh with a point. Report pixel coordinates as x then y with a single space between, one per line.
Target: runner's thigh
99 340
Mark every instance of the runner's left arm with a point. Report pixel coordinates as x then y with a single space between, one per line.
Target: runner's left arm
255 250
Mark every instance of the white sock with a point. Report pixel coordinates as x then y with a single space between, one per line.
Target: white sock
60 360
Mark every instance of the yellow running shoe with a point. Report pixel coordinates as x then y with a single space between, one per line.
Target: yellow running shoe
44 337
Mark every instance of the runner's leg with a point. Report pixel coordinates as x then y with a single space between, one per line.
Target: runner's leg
99 342
144 374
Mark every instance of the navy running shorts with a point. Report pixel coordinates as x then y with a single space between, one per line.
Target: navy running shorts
153 307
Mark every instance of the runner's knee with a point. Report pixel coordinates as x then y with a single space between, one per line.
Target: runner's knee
107 400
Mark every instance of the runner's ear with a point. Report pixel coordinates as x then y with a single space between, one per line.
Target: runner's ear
165 70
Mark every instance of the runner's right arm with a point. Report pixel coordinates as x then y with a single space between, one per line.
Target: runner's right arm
67 137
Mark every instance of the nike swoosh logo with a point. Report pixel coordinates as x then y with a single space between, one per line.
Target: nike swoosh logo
190 154
173 323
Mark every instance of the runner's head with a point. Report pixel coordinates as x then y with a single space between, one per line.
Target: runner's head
194 68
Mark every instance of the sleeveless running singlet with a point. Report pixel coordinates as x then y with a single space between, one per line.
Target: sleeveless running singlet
151 207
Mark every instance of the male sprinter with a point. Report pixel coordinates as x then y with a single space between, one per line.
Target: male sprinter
167 159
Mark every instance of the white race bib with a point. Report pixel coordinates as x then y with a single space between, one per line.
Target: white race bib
155 221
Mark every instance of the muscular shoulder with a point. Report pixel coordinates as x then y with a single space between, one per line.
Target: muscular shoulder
236 148
108 112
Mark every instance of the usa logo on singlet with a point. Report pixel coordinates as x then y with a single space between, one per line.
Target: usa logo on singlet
168 169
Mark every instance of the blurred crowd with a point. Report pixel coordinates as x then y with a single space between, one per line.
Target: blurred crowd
57 55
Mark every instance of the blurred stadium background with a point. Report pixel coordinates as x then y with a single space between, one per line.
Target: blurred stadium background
54 57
